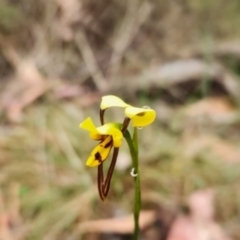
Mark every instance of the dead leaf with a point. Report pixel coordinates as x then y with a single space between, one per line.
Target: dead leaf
69 14
66 91
5 232
26 87
216 109
10 219
226 48
201 205
170 74
218 148
185 229
122 225
200 224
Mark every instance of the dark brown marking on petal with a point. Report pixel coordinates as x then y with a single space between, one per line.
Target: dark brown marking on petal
141 114
98 157
108 144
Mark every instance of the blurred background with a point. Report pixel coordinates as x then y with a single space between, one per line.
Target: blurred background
180 57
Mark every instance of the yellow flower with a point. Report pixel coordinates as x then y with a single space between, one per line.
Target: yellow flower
109 135
140 117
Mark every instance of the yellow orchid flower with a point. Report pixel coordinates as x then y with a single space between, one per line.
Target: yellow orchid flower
109 135
140 117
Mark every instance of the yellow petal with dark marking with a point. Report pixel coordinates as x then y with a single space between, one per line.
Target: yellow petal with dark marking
96 136
112 130
100 152
141 117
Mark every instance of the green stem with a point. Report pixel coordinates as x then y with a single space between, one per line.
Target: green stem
133 147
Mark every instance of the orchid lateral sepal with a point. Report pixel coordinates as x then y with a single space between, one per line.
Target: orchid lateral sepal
100 181
107 182
104 185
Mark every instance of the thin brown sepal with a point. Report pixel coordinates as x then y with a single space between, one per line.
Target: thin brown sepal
107 182
100 181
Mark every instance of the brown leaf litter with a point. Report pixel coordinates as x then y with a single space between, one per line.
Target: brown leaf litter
121 225
200 224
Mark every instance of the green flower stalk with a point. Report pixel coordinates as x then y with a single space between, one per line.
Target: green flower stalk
133 147
110 137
